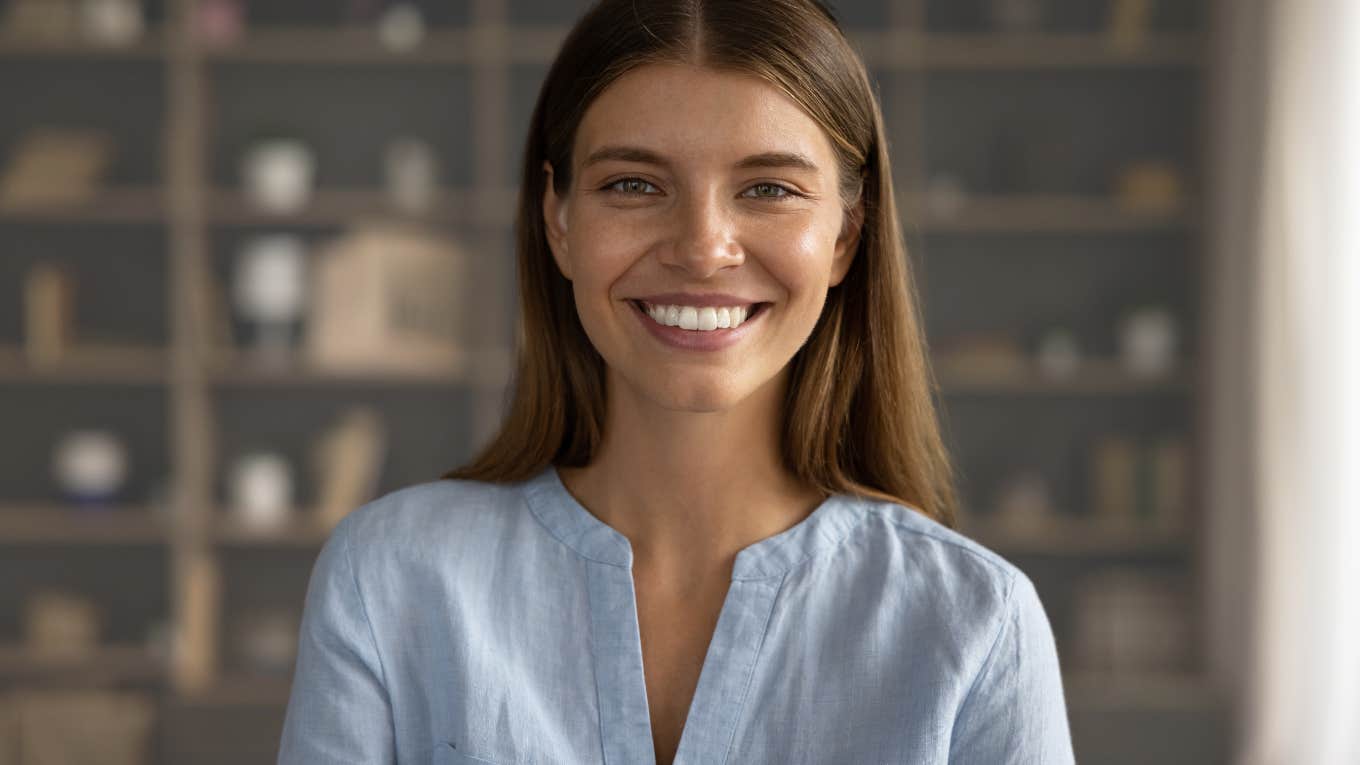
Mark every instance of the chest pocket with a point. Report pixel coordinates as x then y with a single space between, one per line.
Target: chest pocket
446 754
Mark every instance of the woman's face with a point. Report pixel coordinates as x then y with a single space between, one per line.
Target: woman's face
698 195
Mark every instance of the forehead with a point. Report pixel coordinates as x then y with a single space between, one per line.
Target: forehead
693 114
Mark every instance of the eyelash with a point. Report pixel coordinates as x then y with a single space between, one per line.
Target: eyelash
788 192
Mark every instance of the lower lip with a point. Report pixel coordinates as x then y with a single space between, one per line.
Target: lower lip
697 339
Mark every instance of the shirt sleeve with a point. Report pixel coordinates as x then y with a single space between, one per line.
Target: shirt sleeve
1015 712
338 708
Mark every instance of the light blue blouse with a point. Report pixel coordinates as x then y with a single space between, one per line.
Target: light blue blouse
468 622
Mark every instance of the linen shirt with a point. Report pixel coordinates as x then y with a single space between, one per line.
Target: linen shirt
469 622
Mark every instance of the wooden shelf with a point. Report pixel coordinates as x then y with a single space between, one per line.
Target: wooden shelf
117 204
240 690
489 369
1096 377
1076 538
109 663
151 47
65 525
302 533
341 207
1040 213
89 365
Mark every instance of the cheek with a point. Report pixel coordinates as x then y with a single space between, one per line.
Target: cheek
801 263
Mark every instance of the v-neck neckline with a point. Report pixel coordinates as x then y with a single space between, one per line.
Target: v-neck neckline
729 662
568 520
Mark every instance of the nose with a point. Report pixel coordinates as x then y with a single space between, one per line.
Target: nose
705 237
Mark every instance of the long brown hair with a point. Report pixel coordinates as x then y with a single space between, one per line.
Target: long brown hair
860 418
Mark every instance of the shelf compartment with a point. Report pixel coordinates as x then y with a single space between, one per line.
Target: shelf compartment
66 525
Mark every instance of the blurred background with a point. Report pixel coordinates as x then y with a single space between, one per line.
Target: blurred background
256 267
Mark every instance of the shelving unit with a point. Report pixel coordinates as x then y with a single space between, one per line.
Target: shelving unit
491 57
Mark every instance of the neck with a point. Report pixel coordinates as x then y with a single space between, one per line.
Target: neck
691 489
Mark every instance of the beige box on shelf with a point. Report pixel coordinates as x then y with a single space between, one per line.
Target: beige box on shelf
387 296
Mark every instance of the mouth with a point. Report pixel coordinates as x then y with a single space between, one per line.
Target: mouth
717 321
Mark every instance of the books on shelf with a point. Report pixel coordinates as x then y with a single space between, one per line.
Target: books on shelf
49 312
1139 484
1128 622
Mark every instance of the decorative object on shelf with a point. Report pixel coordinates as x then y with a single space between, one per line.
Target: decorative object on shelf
1017 16
90 467
1140 484
278 174
61 625
262 491
112 22
980 355
265 640
193 647
220 23
946 195
271 291
55 166
1059 353
401 27
65 727
49 312
1024 505
347 460
410 171
51 21
1127 25
1149 186
1130 622
387 297
1148 342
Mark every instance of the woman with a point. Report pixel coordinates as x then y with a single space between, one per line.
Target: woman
715 526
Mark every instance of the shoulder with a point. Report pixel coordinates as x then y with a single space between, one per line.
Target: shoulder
443 514
933 566
933 546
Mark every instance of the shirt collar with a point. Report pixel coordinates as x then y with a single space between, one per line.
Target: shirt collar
571 523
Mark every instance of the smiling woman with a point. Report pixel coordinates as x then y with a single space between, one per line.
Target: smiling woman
715 525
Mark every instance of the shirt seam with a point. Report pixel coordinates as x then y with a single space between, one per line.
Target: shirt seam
834 542
531 501
368 623
985 558
1008 619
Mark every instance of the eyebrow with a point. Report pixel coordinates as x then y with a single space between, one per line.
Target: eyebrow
788 159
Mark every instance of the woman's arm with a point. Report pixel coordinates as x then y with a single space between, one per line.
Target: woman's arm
1015 711
338 710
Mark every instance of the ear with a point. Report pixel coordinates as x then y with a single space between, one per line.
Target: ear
555 223
848 242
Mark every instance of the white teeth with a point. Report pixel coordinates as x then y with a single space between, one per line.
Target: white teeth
689 318
708 318
700 319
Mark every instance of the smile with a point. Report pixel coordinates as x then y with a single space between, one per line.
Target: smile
699 328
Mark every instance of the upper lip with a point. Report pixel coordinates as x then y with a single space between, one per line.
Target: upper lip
699 300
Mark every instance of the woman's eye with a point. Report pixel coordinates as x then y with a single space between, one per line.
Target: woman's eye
775 188
631 185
